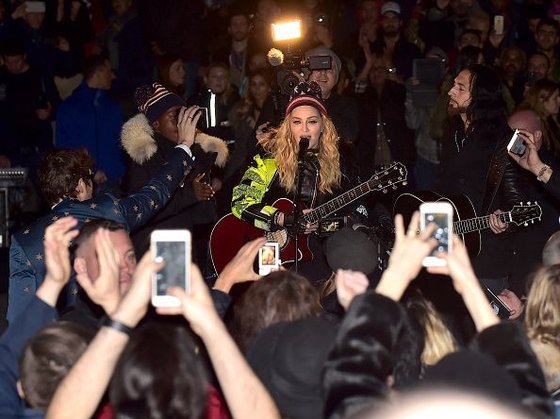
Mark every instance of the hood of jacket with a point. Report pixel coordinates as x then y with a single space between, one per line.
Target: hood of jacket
137 139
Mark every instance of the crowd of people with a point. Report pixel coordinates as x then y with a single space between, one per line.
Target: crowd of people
134 115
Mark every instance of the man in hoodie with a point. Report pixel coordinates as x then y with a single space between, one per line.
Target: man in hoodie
148 138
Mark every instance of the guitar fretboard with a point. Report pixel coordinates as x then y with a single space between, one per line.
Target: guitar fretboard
478 223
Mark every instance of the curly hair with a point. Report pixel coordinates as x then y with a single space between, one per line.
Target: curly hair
284 147
60 172
542 315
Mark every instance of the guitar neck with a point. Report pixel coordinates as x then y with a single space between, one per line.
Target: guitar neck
339 202
478 223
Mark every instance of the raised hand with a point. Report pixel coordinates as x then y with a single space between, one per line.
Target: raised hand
530 160
103 290
348 285
57 256
186 123
240 268
407 255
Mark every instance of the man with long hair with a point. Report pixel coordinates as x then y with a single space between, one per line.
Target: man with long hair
475 163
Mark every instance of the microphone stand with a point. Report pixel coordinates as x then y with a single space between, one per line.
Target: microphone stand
303 145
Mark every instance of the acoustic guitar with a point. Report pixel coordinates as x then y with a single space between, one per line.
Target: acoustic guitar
230 233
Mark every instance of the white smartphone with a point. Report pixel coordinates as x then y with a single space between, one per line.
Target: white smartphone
174 247
516 144
498 24
269 258
441 214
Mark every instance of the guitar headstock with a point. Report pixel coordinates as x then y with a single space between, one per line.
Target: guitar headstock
523 214
388 177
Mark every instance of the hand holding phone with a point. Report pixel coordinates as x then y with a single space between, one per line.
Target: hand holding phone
174 248
516 144
440 214
269 258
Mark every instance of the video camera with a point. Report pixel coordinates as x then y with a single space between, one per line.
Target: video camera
292 59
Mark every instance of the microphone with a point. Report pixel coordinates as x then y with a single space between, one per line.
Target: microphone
303 146
275 57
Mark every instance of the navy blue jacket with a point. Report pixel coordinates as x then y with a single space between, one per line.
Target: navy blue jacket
27 256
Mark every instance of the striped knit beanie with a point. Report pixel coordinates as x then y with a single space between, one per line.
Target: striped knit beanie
307 94
154 99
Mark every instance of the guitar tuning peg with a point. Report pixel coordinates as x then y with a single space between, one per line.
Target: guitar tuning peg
385 191
394 187
525 224
528 202
405 183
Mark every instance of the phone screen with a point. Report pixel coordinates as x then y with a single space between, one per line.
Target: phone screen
173 273
269 259
441 233
203 121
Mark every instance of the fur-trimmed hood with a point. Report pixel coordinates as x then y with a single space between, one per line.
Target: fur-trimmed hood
137 139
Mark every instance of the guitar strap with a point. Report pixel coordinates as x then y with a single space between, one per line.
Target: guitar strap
494 176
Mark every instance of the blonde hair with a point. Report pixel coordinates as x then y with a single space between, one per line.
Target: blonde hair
438 340
542 314
283 146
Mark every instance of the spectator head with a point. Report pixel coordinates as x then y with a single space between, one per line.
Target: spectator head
512 62
468 56
120 7
216 78
538 66
98 73
288 358
470 37
529 120
86 261
281 296
326 79
46 359
257 61
391 20
238 28
547 34
477 93
368 11
171 73
259 87
542 311
551 250
159 374
14 57
479 21
66 174
161 108
267 11
352 250
543 97
438 340
461 8
35 16
535 12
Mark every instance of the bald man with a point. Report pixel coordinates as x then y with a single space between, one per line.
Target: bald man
545 189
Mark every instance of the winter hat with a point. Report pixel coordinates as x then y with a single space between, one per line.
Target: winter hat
349 249
154 99
288 358
306 94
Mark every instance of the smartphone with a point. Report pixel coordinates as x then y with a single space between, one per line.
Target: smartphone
500 308
269 258
441 214
203 121
516 144
498 24
174 247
